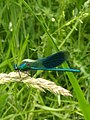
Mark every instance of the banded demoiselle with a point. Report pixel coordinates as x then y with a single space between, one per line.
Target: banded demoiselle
49 63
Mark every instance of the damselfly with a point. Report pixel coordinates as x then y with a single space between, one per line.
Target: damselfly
49 63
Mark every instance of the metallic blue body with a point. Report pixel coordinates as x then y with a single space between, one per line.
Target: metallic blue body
56 69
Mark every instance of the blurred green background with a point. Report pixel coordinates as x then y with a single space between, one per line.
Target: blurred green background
36 29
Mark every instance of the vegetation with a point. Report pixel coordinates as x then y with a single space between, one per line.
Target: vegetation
35 29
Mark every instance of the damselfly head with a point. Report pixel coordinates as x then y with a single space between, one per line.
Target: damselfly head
15 67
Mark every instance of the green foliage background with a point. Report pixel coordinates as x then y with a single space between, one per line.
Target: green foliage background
35 29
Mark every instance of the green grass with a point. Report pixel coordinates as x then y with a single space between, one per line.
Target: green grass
41 28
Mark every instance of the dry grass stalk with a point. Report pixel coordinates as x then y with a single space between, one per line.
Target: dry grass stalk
39 83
